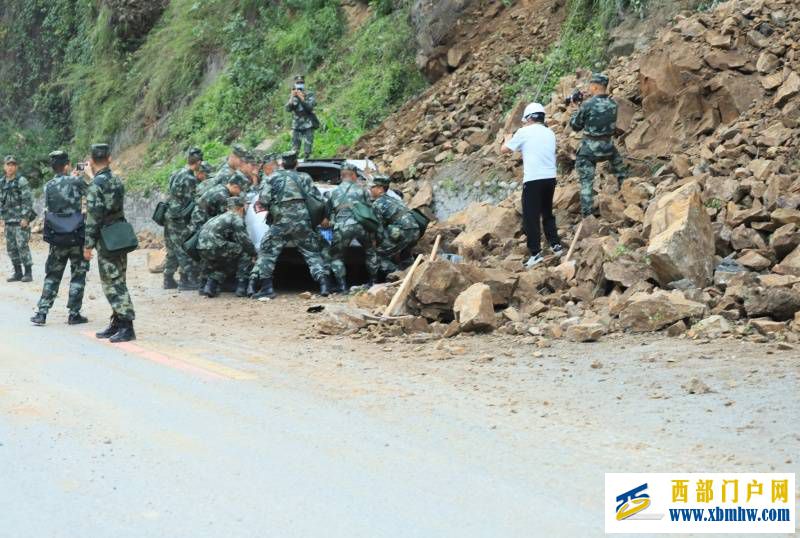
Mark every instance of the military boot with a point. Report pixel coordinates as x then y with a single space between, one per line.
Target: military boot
28 276
17 276
39 319
252 287
211 288
325 286
111 330
341 285
188 283
125 332
75 318
169 282
241 288
265 290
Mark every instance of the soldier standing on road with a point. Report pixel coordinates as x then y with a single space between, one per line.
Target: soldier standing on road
224 245
226 171
399 231
283 196
105 202
182 189
346 228
63 196
16 210
301 104
597 118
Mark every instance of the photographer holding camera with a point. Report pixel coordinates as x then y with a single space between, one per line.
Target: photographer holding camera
597 118
301 104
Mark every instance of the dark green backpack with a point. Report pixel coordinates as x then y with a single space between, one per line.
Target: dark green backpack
365 216
422 220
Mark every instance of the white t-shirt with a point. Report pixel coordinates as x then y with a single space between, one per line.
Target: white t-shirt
537 143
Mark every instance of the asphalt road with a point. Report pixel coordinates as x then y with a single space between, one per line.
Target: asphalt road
97 440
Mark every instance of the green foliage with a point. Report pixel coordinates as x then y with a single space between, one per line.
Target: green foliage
582 44
31 147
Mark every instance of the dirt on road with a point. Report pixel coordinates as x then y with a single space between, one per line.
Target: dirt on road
632 403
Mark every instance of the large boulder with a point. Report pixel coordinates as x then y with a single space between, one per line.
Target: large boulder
474 309
434 288
647 312
156 260
486 223
780 304
682 242
502 283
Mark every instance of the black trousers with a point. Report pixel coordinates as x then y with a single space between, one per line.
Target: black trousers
537 210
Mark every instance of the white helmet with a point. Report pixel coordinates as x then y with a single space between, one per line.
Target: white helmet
533 108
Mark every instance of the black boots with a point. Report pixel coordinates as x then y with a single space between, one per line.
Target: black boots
252 287
264 290
211 288
341 285
75 318
241 288
188 283
112 328
28 276
17 276
325 286
169 282
125 332
39 319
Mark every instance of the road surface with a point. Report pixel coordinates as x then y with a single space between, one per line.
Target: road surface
185 435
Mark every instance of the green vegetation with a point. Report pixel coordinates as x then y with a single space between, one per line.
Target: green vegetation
199 73
582 44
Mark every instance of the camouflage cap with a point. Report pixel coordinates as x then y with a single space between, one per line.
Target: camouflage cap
380 181
101 151
299 78
235 202
240 151
351 167
206 168
58 158
239 179
269 158
10 159
599 78
195 152
250 158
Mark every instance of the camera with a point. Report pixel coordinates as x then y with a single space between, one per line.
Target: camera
577 98
80 167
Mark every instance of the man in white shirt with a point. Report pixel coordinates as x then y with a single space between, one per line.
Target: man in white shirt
537 143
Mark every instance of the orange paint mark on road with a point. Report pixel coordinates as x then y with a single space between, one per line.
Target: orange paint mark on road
160 358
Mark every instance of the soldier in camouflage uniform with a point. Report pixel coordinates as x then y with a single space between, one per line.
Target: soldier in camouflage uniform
226 171
63 195
269 164
215 201
282 195
16 209
597 118
399 231
301 104
105 201
225 246
346 228
182 188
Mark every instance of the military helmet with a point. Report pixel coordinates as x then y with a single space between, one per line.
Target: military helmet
100 151
58 158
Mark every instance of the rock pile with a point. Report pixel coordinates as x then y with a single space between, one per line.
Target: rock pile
703 240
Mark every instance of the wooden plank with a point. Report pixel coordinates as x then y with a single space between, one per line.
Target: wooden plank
574 242
404 289
435 250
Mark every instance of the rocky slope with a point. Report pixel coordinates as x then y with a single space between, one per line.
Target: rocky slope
703 239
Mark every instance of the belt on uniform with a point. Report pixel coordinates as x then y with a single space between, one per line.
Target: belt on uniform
12 223
596 137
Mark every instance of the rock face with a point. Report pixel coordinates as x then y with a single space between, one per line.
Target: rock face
682 241
474 308
646 312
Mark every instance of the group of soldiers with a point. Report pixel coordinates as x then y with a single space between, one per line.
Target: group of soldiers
208 242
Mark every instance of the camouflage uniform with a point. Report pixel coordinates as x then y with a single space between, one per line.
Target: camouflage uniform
182 188
346 228
63 195
224 245
597 118
290 222
105 201
398 233
16 205
212 203
303 123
